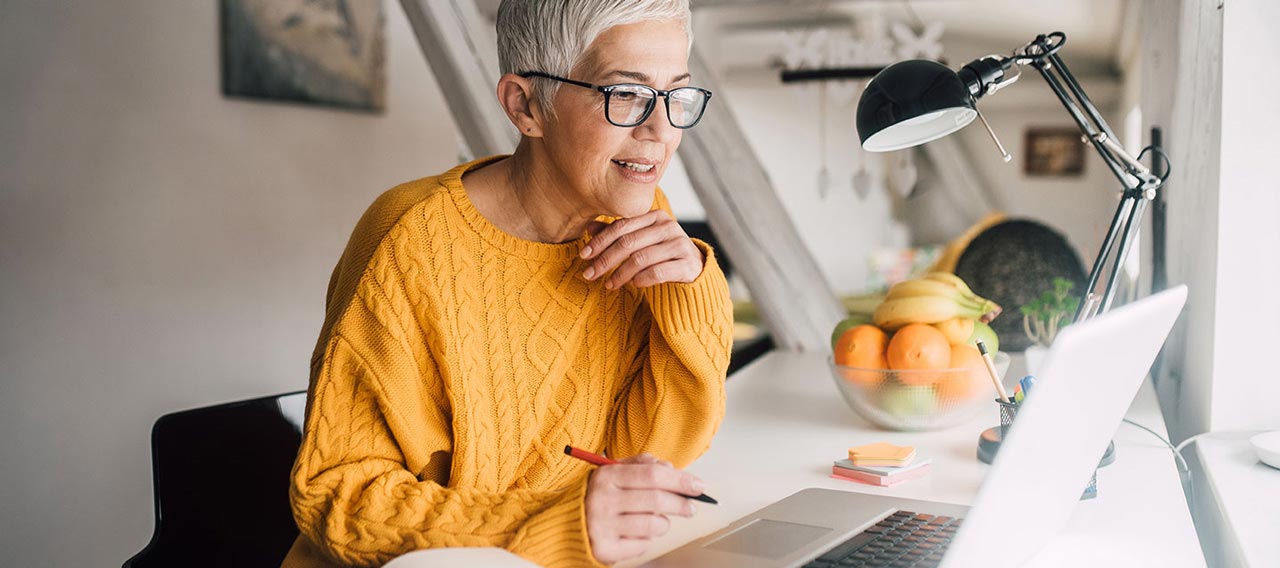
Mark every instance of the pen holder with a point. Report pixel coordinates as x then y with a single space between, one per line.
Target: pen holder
989 443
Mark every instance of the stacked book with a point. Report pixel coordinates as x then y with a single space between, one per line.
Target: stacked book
881 464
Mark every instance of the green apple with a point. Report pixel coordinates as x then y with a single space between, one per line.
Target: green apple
845 325
987 335
907 401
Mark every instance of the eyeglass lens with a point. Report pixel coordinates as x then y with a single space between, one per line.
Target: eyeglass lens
629 105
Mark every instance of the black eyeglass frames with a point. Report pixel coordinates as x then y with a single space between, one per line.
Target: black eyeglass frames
630 104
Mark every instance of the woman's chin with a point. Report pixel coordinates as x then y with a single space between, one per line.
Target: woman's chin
635 206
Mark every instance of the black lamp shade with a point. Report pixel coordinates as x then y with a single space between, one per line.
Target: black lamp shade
910 103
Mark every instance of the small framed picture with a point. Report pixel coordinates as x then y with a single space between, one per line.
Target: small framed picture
1053 152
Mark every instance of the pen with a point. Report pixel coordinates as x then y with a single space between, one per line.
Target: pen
991 368
594 459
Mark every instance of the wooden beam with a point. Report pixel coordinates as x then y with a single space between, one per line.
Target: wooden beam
462 52
743 208
795 302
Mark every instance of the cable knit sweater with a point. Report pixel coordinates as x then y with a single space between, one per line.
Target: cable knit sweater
455 363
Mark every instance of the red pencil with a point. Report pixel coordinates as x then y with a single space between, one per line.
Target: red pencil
594 459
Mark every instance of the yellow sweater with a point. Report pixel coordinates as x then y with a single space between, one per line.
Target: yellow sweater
455 363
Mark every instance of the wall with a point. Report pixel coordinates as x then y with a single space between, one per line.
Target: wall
1080 207
162 248
1246 392
1182 87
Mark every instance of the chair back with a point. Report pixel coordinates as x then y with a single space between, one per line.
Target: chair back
221 476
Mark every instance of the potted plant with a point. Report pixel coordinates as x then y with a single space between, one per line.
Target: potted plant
1045 317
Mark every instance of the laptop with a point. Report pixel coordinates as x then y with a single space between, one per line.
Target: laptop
1027 497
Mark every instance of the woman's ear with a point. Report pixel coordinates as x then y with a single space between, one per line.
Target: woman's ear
515 94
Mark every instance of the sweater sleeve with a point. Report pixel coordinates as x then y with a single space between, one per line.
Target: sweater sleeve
673 400
370 481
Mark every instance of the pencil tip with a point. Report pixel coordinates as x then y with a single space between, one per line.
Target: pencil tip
568 450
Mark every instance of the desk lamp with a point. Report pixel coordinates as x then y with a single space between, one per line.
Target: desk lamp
913 102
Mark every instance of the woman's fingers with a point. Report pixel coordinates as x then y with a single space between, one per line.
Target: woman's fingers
652 476
670 271
623 247
643 525
655 476
643 259
602 240
654 502
642 245
629 503
609 551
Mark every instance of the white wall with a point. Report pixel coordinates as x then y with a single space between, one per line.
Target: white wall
1246 392
1182 91
161 247
1080 207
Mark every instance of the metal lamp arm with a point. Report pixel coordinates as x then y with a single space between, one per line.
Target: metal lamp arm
987 75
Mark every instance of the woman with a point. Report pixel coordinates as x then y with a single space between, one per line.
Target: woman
481 320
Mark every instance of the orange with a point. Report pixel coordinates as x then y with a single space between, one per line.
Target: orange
918 347
957 330
863 347
968 376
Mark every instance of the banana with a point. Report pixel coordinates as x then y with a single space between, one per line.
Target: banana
991 309
895 313
951 280
927 287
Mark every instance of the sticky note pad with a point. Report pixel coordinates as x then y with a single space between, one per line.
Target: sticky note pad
887 471
882 454
880 480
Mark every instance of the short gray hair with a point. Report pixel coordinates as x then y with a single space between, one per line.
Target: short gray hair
552 36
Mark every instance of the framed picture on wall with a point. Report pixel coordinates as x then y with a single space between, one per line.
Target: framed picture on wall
1053 152
328 52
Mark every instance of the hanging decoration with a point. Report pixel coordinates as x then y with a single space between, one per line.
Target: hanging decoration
844 60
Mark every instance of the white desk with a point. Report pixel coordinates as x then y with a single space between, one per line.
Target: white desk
786 423
1244 496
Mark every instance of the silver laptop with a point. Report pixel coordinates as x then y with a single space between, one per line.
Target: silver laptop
1029 492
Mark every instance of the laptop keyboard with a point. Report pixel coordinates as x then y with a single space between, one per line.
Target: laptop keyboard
902 540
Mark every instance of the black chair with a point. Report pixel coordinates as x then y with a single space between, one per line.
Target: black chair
221 477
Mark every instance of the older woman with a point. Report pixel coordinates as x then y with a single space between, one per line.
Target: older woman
481 320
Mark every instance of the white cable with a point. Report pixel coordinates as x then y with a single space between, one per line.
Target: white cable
1188 441
1177 451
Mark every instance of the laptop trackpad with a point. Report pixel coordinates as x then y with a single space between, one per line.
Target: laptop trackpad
768 539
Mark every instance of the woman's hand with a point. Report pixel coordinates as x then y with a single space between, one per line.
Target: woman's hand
628 503
646 250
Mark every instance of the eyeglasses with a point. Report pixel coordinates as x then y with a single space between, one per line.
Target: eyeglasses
629 104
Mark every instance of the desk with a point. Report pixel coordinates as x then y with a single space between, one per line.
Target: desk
1243 494
785 423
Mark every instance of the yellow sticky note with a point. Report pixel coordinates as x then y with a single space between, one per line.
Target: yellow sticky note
881 452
